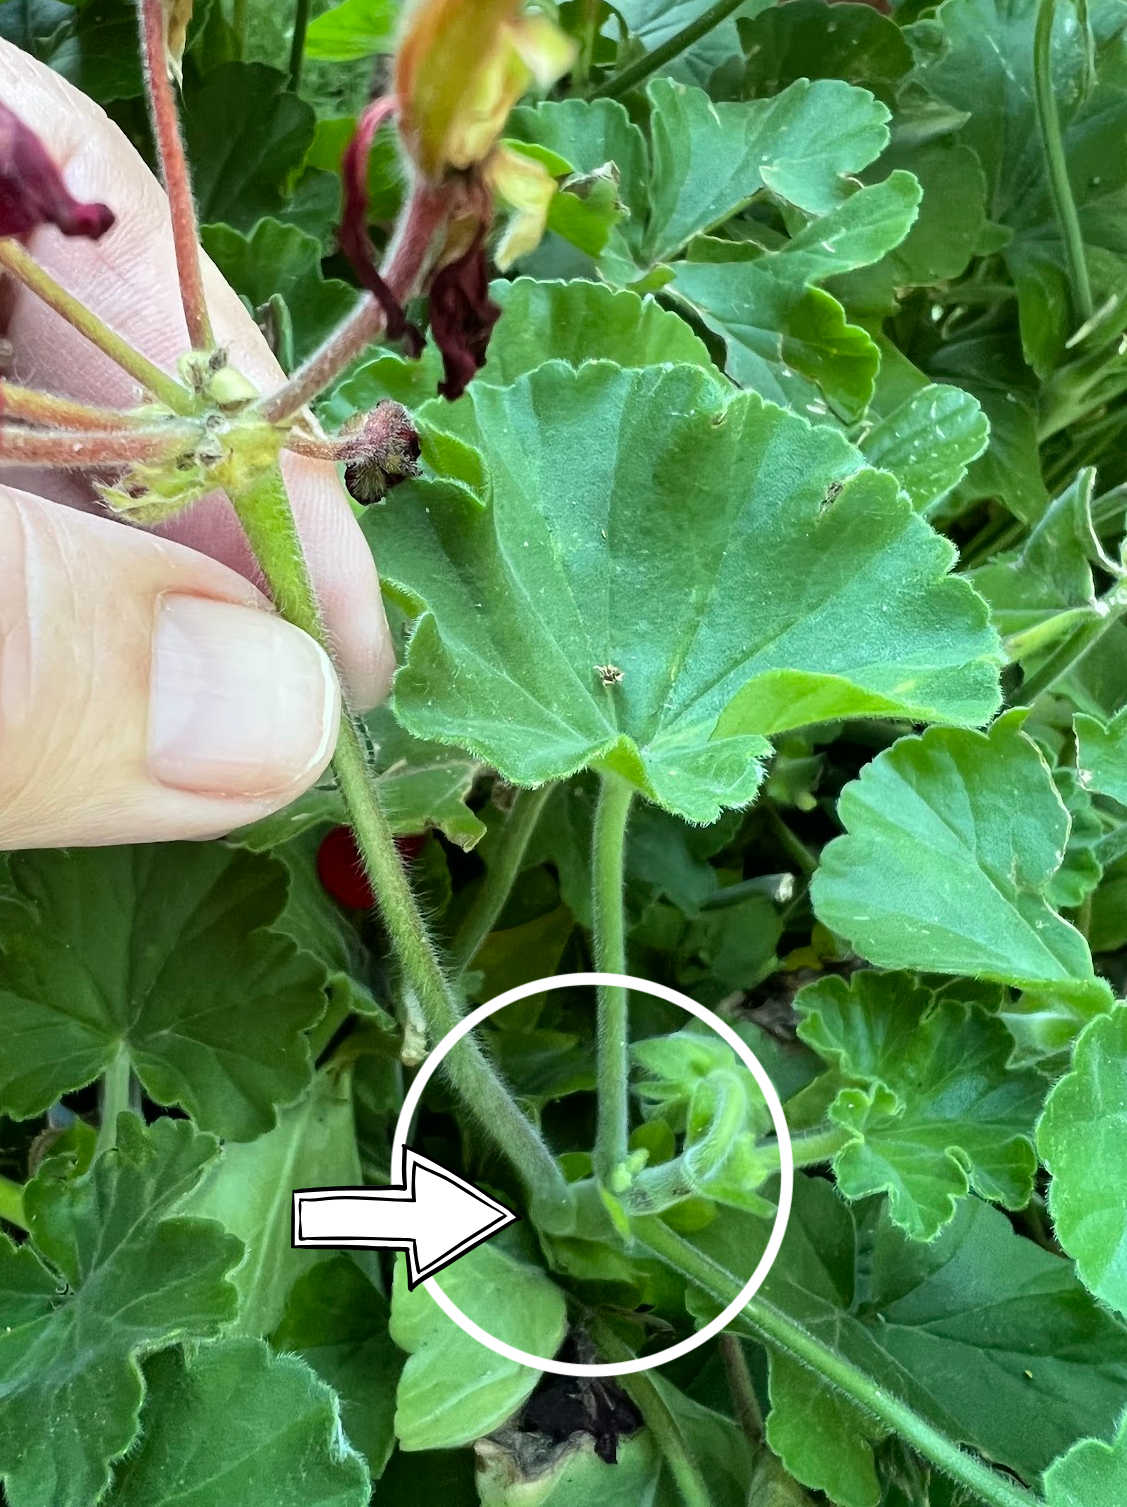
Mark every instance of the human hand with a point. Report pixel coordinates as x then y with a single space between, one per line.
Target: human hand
147 689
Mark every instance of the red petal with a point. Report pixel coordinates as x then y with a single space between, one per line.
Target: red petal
355 241
32 193
462 316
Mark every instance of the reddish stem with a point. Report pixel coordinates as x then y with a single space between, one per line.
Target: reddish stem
35 407
174 171
405 269
75 450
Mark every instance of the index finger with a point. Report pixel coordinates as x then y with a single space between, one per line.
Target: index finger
129 279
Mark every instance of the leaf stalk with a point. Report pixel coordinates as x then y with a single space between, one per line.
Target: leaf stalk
612 814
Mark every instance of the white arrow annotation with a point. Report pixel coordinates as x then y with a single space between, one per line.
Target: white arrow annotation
432 1214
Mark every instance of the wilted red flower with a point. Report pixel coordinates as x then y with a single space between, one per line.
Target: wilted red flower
32 192
462 316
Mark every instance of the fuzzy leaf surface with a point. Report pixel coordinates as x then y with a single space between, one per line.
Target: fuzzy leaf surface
112 1271
952 840
1080 1138
572 557
165 952
929 1104
233 1422
452 1390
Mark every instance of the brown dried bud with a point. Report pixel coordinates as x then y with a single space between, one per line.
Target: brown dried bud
379 449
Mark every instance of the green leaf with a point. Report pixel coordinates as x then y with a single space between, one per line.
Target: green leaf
952 840
804 39
112 1272
785 337
928 441
913 1317
246 135
164 952
1091 1474
929 1106
231 1420
281 260
541 321
1045 589
1080 1141
250 1191
800 146
984 66
452 1390
354 29
336 1320
576 561
1101 754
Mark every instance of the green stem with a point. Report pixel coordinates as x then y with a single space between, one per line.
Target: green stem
608 878
297 46
746 1404
264 511
631 76
588 31
239 13
659 1419
113 1100
656 1188
1079 642
11 1203
792 846
770 1325
500 877
1052 140
23 267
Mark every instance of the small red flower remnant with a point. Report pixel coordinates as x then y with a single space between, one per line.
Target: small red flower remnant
341 869
341 872
32 192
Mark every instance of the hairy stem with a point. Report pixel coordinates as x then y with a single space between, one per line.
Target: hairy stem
742 1390
500 877
265 514
113 1100
174 173
659 1419
770 1325
1048 118
637 72
297 46
660 1187
25 269
11 1203
406 264
72 449
608 877
35 407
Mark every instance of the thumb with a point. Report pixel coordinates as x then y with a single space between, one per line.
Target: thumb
146 691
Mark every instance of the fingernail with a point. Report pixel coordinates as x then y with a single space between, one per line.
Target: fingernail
240 702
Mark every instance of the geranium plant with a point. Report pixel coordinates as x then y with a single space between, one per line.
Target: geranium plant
733 398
